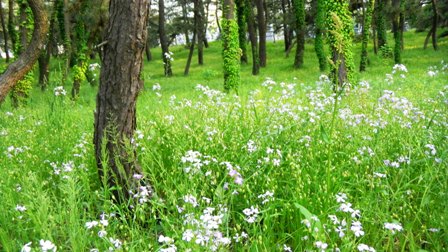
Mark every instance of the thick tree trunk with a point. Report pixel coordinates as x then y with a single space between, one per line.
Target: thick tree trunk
120 83
25 62
396 30
5 32
67 40
185 21
261 32
23 29
217 18
163 40
253 38
44 58
319 41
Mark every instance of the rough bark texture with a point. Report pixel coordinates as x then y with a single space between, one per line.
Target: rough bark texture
381 23
396 30
163 39
25 62
261 31
120 83
231 47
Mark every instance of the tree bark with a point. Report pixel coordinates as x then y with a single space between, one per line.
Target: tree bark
381 23
242 24
163 40
319 41
5 32
286 37
230 44
253 38
199 16
366 22
435 21
120 83
396 30
261 32
11 30
191 51
299 9
26 60
23 29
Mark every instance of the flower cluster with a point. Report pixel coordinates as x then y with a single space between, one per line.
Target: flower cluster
59 91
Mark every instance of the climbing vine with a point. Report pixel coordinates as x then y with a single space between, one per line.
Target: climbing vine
231 55
365 34
340 34
319 41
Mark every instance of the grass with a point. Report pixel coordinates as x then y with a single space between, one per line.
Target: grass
281 166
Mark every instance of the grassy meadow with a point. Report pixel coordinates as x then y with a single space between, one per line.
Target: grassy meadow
285 165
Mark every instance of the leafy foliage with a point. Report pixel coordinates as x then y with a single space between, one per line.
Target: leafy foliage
231 54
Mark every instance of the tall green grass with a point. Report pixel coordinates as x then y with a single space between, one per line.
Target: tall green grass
280 167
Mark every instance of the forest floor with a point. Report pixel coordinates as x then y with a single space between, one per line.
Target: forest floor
285 165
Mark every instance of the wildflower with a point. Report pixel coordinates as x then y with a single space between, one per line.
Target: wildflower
356 228
59 91
117 243
26 247
340 230
171 248
286 248
251 146
356 213
306 222
379 175
363 247
20 208
341 197
102 233
346 208
434 230
251 214
156 87
46 245
165 239
393 227
187 235
276 162
321 245
431 150
191 199
91 224
432 73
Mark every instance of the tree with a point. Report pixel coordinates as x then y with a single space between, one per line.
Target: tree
242 30
261 18
340 33
366 21
5 32
318 41
252 37
286 30
120 83
381 23
433 31
199 21
26 60
397 9
299 9
190 54
163 40
231 47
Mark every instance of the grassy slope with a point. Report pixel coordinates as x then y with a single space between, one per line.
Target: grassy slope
50 129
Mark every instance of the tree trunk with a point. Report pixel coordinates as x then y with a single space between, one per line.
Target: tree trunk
190 54
435 21
26 60
299 9
366 21
5 32
286 37
148 51
217 18
11 25
251 28
67 40
374 40
242 24
120 83
44 58
23 29
185 20
396 29
230 45
381 24
261 31
199 16
319 41
163 40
